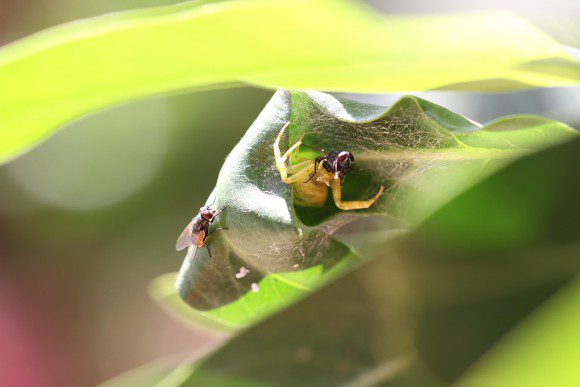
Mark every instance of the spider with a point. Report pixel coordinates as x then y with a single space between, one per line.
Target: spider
310 179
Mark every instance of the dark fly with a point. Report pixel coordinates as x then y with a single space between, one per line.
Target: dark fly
338 163
197 231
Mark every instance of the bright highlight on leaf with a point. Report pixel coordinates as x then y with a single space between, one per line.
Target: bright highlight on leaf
59 75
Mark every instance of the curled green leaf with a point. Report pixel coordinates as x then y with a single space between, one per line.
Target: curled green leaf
435 301
421 153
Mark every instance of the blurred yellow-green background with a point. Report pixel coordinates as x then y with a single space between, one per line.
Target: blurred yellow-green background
90 217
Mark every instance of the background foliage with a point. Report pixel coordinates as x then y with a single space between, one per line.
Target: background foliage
90 217
111 59
434 301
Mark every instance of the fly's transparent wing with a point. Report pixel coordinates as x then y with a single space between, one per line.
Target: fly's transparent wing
185 239
198 241
188 236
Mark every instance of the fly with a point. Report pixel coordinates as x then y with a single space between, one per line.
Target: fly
197 231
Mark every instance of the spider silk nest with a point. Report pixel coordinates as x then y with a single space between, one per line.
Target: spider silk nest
392 149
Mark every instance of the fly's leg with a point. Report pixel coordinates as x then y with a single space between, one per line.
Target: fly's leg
351 205
314 172
222 210
207 236
214 230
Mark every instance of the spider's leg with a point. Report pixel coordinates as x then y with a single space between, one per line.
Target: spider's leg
301 174
288 153
277 153
293 168
351 205
281 159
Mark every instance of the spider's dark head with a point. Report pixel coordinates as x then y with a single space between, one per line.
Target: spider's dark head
338 162
207 213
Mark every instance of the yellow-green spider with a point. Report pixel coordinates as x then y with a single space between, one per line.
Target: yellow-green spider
311 179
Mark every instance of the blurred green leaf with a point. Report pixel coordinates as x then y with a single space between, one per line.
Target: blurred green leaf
56 76
422 153
435 301
543 351
147 375
274 291
162 290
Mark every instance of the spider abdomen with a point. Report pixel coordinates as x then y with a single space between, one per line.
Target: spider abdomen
313 192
